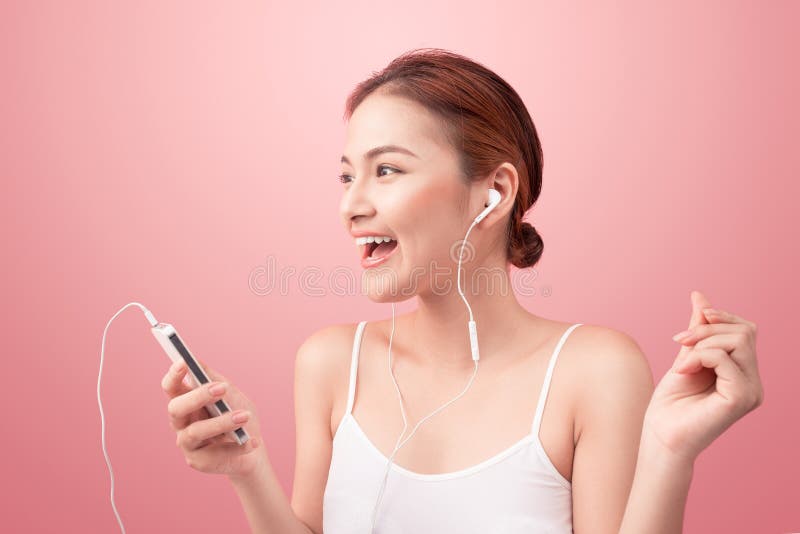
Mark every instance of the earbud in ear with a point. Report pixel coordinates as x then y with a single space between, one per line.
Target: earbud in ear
494 197
494 200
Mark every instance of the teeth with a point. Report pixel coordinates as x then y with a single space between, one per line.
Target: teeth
373 239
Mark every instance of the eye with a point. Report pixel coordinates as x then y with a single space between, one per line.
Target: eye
386 167
346 178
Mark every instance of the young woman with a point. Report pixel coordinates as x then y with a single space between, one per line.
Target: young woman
562 429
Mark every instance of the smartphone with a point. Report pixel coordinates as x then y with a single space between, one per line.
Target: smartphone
176 349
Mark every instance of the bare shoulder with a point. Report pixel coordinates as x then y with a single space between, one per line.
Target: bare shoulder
605 342
600 352
323 354
323 345
607 363
327 348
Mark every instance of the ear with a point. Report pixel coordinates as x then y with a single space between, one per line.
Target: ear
506 181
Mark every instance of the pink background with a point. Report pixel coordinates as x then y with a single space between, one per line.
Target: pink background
161 152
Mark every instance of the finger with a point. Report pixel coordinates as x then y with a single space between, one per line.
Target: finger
195 435
728 373
734 338
212 374
739 346
205 458
191 382
741 350
172 383
180 407
729 384
722 316
699 301
703 331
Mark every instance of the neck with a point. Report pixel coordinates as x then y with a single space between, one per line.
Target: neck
437 335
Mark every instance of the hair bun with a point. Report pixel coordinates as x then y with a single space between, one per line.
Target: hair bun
529 248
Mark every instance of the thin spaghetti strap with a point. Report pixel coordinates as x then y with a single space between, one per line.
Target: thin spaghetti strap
351 393
537 420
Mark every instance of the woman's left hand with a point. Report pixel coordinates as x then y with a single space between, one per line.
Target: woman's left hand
713 383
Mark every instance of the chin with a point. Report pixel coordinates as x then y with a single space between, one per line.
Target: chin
387 298
385 285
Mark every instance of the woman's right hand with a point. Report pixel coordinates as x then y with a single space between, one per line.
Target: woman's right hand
202 438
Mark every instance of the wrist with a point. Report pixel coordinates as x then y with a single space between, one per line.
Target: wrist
658 456
253 477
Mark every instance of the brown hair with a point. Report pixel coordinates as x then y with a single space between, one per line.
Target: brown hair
485 120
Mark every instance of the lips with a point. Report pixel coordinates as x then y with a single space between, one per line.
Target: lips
386 248
367 262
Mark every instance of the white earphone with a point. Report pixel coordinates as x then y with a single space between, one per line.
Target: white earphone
494 200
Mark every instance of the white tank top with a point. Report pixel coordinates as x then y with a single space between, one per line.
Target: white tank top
517 491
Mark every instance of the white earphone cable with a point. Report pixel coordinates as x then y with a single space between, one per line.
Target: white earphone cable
460 253
400 396
152 320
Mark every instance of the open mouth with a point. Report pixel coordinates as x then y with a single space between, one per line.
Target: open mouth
378 250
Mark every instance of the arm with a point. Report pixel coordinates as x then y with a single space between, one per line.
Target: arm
714 381
322 363
616 387
660 489
266 506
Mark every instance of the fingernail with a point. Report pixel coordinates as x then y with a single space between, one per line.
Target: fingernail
682 335
217 389
240 417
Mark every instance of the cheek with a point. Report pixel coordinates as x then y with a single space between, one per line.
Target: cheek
430 224
424 199
437 201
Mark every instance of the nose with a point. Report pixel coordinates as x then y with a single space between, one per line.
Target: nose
356 202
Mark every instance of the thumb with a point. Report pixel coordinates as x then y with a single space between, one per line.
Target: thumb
210 372
699 303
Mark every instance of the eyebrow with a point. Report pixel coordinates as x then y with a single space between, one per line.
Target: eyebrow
382 150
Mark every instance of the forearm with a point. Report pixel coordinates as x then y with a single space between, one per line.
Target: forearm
265 504
658 495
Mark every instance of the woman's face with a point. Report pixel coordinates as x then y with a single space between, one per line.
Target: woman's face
417 198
